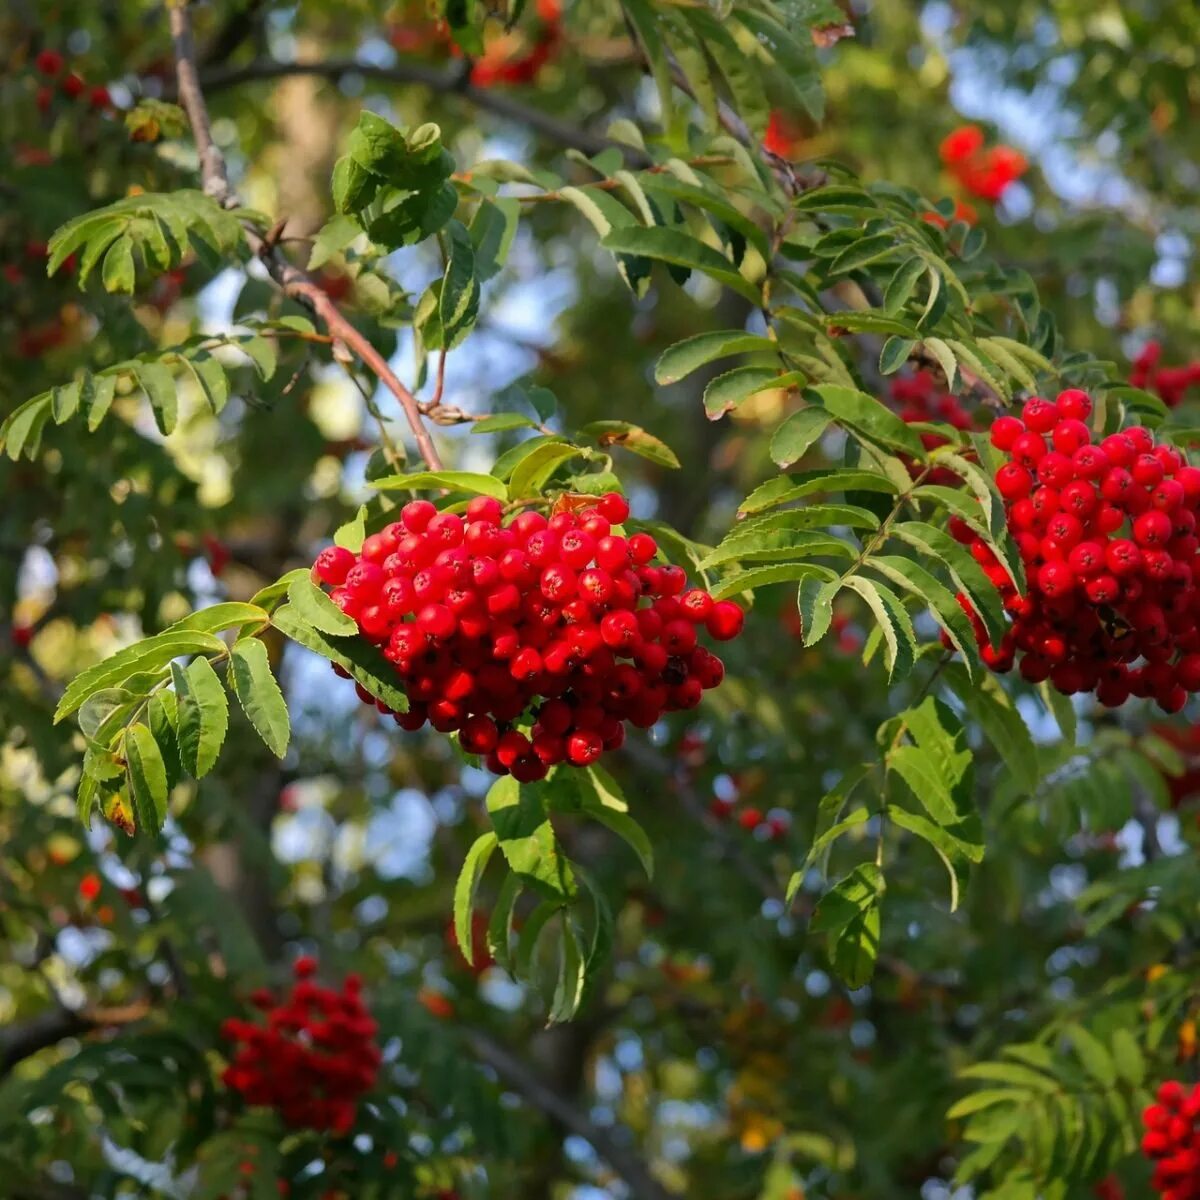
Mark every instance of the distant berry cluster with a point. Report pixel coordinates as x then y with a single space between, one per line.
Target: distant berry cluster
50 64
1172 1141
314 1057
558 623
1170 384
1107 535
985 171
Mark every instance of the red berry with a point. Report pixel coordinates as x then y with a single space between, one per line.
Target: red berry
49 62
726 620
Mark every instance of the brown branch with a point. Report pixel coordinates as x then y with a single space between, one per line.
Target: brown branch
292 281
47 1028
445 82
642 1185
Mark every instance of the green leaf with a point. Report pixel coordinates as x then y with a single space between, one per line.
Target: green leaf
210 377
158 383
501 422
1012 1073
472 871
332 238
1095 1058
679 361
964 570
745 581
895 354
147 778
900 286
785 488
118 273
942 602
352 535
104 390
500 926
850 914
568 991
455 481
458 303
64 402
867 417
945 357
893 620
605 213
203 716
632 438
258 693
1128 1058
601 798
149 655
796 435
362 661
863 252
1002 724
681 249
779 545
315 607
533 472
726 392
22 429
527 838
163 716
261 352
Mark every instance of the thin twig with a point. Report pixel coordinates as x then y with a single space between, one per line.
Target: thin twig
292 281
642 1185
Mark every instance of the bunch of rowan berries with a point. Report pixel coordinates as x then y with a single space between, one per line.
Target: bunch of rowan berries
1107 534
1170 384
559 623
985 171
50 63
1172 1141
314 1057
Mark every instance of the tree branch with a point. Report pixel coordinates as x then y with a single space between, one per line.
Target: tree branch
292 281
445 82
19 1041
623 1160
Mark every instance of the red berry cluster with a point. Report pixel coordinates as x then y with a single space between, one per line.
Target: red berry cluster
1107 533
484 621
1172 1140
984 172
50 64
918 398
1168 383
314 1057
784 135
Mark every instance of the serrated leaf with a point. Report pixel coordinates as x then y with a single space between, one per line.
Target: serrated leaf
258 693
147 778
850 913
679 361
746 581
501 422
457 481
533 472
601 798
500 925
472 871
210 377
158 383
895 353
793 439
943 605
894 622
362 661
315 607
117 274
527 838
785 488
779 545
149 655
866 416
632 438
681 249
203 715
